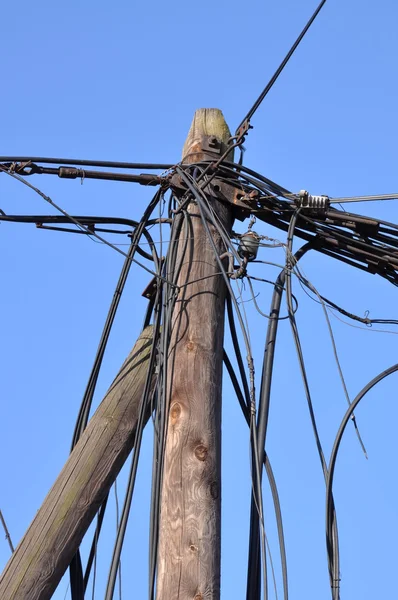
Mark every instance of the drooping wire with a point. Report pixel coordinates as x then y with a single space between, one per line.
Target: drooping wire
78 581
76 222
334 567
305 281
333 458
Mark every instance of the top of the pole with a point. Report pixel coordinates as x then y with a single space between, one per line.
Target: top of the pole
206 122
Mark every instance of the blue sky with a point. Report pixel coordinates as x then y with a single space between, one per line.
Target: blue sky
121 81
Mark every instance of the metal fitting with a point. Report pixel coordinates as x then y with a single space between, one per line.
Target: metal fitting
248 245
316 203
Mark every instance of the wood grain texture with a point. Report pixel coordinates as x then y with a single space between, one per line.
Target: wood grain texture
45 551
189 539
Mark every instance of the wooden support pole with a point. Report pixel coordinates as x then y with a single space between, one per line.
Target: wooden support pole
189 536
48 546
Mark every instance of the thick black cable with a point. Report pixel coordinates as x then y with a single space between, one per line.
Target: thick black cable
280 68
91 384
78 581
253 591
333 458
270 475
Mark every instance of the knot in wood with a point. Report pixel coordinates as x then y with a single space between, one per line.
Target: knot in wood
198 597
193 548
190 346
175 412
201 452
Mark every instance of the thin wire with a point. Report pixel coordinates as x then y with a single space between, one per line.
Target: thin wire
76 222
334 565
142 418
67 590
8 537
95 563
117 528
363 198
305 280
369 329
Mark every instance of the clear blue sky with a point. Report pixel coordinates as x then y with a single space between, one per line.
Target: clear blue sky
121 81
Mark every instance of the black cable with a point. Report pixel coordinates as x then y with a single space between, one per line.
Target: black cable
334 567
144 412
91 384
165 308
253 591
7 533
270 475
279 69
303 281
77 223
256 473
78 581
346 313
257 306
332 463
91 556
87 163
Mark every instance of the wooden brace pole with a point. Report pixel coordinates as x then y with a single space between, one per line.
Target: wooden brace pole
189 536
47 548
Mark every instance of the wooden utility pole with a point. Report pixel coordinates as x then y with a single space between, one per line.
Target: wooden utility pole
189 536
48 546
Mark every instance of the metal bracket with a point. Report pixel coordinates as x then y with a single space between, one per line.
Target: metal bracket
211 143
225 192
242 131
150 289
232 194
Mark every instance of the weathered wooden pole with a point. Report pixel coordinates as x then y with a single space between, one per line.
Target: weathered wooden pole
48 546
189 535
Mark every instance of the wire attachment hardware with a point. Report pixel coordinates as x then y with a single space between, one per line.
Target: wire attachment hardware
316 203
249 243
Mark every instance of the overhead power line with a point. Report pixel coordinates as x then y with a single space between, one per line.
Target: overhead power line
279 70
